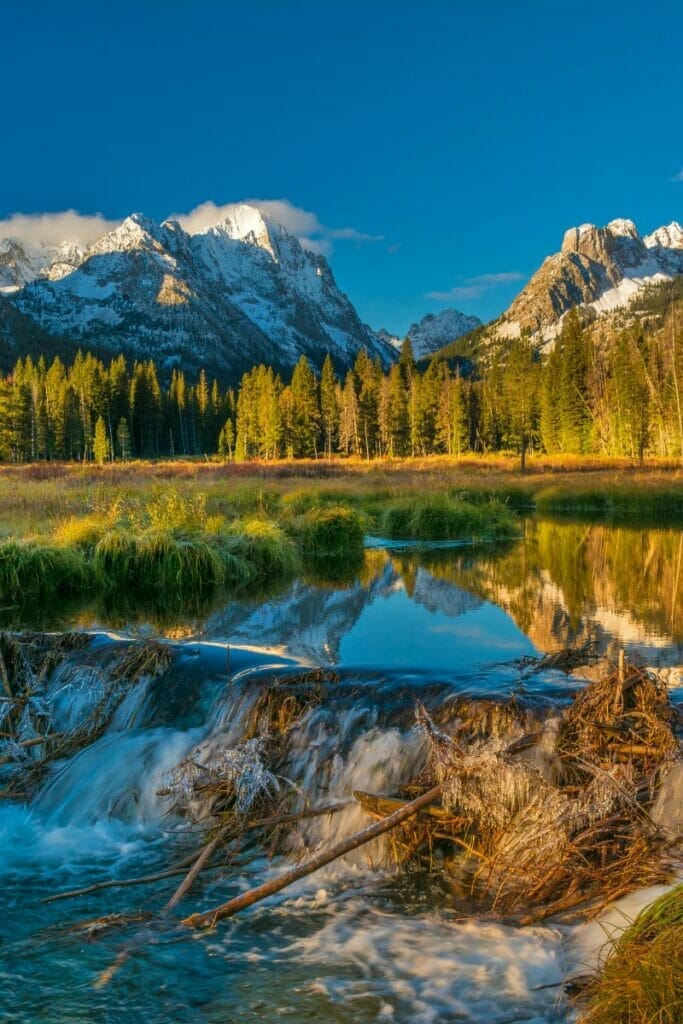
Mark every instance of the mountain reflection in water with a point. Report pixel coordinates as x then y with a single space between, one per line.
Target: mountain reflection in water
561 585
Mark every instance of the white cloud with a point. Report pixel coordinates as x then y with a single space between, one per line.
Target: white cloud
54 228
474 287
303 224
353 235
459 292
490 280
679 176
320 246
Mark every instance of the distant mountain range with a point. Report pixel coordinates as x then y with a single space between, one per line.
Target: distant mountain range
245 291
227 297
433 331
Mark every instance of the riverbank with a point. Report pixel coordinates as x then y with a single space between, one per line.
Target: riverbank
34 498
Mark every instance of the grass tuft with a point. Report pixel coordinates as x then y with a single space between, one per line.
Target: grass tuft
31 571
264 548
81 532
444 518
159 558
336 531
641 980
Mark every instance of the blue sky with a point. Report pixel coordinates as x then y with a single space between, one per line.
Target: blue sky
460 138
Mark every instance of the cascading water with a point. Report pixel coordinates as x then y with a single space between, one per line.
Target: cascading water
342 940
357 941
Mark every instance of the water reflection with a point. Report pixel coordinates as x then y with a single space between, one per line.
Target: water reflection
561 585
452 609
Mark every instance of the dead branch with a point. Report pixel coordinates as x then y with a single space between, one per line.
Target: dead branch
261 892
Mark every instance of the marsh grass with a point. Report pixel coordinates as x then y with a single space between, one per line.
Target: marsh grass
641 978
330 532
444 518
31 571
158 558
264 548
190 527
657 504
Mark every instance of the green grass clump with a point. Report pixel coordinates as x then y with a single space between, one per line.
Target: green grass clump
444 518
334 531
641 980
31 571
658 505
158 558
264 548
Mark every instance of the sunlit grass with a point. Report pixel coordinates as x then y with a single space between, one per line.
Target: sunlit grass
442 518
265 548
641 979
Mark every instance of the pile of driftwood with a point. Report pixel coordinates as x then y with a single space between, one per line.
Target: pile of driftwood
523 836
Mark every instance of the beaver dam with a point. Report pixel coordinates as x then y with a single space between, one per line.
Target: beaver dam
193 831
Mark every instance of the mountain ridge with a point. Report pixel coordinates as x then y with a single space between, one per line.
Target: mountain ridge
243 291
226 297
598 268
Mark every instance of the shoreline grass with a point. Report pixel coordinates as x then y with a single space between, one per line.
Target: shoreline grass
641 979
441 517
196 526
185 545
35 498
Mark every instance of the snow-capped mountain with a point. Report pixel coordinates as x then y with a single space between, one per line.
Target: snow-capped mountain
22 263
598 268
434 331
240 292
438 329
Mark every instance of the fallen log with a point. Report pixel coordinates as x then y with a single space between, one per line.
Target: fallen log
383 806
261 892
225 833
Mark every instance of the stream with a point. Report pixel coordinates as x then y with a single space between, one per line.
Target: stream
356 942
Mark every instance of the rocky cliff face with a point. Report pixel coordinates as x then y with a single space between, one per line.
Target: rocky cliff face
240 292
601 268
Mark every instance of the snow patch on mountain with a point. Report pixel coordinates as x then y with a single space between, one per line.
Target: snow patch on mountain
225 296
597 268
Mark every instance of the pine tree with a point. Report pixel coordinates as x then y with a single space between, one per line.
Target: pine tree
123 441
329 409
398 420
306 418
100 442
575 413
349 440
226 440
519 385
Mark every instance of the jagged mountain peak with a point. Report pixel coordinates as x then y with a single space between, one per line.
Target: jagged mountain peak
245 222
134 232
228 296
598 267
436 330
669 236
